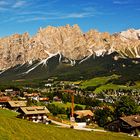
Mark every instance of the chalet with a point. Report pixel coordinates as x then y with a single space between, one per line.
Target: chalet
15 105
83 116
35 114
44 99
33 96
4 101
127 124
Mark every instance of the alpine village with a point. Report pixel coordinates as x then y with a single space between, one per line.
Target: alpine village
70 70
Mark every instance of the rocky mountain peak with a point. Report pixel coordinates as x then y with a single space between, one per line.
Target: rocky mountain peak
131 34
68 41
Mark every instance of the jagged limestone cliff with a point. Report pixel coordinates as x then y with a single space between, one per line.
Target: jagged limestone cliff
68 41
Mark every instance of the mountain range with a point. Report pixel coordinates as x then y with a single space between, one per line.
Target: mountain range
69 53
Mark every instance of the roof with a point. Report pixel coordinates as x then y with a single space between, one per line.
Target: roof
43 99
56 98
133 120
4 99
35 110
68 91
83 113
31 95
17 103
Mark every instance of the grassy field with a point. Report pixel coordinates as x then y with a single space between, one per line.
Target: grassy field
104 83
12 128
116 87
110 86
98 81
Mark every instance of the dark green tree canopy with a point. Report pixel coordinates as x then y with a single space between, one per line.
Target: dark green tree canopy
126 105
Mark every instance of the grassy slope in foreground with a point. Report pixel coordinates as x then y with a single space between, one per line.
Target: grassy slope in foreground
12 128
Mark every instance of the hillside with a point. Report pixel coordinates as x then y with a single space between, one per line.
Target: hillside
12 128
68 54
96 72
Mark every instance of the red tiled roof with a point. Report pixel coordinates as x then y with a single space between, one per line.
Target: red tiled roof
31 95
5 99
43 99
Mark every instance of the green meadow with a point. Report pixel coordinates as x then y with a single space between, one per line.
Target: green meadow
12 128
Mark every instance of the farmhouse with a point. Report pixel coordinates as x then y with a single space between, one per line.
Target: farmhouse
35 113
44 99
127 124
33 96
83 115
4 101
14 105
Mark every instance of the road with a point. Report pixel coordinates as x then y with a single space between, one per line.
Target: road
89 129
60 124
75 127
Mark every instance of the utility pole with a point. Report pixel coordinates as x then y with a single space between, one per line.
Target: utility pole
72 119
72 104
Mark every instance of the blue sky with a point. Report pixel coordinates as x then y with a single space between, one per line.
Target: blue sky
19 16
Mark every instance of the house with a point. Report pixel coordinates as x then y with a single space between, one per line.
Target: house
15 93
109 100
127 124
44 99
83 116
51 79
35 113
57 99
9 90
33 96
48 85
2 94
14 105
4 101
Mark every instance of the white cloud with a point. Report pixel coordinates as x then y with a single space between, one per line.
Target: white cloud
19 4
46 13
33 13
62 16
77 15
31 19
120 2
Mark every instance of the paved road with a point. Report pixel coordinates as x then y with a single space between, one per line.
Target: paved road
89 129
77 128
60 124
